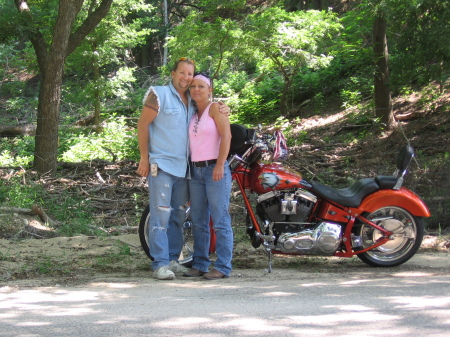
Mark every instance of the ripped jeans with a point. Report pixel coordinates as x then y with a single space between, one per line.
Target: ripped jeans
168 199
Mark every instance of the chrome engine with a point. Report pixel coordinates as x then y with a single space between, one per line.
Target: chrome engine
286 205
322 240
286 214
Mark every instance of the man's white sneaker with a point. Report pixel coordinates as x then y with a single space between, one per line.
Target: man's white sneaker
163 273
177 268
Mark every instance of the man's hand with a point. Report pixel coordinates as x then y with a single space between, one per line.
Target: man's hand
224 109
144 168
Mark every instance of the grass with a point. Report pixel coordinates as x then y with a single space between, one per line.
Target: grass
24 190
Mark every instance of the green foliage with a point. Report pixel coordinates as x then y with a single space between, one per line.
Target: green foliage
292 42
356 91
14 67
16 151
420 54
216 45
23 191
16 193
124 28
80 226
416 31
120 86
116 141
277 45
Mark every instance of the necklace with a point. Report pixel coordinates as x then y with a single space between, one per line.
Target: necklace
197 121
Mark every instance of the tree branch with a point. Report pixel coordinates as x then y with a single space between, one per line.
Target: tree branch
35 36
88 25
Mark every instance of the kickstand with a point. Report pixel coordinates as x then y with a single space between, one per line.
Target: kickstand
269 255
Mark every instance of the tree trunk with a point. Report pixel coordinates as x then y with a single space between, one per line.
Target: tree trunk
51 65
383 103
96 74
46 141
284 100
166 25
96 93
46 150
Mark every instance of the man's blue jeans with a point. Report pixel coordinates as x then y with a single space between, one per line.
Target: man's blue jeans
168 200
210 197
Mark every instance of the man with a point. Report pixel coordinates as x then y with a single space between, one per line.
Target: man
164 150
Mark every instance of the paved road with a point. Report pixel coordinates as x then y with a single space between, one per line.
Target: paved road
413 300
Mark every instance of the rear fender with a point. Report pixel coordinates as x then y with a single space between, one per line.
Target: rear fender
403 198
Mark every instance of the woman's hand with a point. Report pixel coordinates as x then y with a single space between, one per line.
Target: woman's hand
218 172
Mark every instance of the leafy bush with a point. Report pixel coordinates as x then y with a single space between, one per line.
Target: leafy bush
17 151
116 141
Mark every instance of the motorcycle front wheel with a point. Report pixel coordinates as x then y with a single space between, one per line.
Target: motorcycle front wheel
407 236
187 251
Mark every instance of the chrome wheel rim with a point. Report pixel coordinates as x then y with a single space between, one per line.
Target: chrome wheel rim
396 220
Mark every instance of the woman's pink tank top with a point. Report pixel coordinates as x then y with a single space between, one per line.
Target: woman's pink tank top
204 138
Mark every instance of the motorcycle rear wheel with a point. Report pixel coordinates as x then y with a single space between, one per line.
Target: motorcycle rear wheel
408 234
187 251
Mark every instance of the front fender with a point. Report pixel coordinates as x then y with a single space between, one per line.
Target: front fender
403 198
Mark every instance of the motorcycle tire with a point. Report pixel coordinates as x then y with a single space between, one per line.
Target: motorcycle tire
187 251
408 234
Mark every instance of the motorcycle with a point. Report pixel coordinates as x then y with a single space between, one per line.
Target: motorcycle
377 219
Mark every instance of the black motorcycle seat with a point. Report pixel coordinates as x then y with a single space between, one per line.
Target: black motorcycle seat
386 182
349 197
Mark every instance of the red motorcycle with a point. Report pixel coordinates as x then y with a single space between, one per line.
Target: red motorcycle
377 219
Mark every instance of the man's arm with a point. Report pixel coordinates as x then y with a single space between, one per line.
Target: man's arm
148 114
224 109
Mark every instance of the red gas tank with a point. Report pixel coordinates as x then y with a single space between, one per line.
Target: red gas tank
273 176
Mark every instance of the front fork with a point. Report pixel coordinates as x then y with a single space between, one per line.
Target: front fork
257 238
253 227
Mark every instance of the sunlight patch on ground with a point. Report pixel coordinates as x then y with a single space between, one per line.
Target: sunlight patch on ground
318 121
420 302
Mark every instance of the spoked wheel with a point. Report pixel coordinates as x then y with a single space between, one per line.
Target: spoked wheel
406 239
187 251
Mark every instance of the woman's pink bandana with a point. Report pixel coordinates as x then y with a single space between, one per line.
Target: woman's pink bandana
203 78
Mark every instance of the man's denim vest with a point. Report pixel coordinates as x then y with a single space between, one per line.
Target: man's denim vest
168 139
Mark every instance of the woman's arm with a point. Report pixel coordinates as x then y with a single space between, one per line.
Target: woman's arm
223 126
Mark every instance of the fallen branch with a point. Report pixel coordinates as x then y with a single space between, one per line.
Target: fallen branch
16 210
406 117
35 210
98 228
44 217
19 130
86 121
124 229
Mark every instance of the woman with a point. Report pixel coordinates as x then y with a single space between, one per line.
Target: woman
210 183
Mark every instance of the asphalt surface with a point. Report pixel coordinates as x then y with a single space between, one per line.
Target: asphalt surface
413 300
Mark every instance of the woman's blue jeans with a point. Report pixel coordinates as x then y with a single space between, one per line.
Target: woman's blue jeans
211 198
168 201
